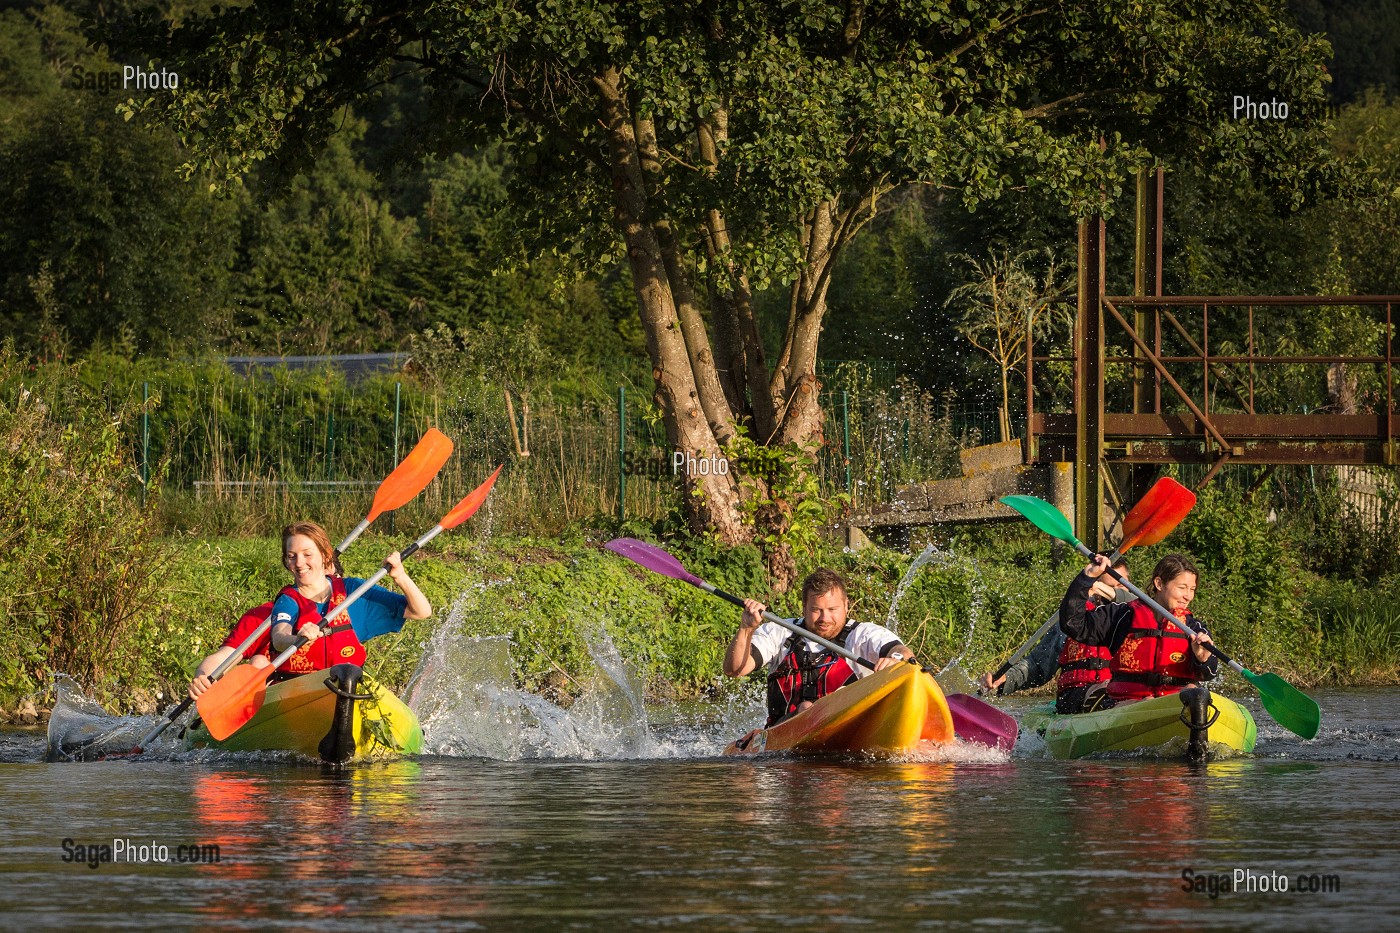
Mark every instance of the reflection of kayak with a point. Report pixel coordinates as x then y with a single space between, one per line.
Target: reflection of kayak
1157 725
887 712
313 715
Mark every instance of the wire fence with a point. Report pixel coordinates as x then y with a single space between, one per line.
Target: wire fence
241 452
226 436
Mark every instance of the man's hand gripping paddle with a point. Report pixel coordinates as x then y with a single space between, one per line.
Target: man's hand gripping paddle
235 699
972 719
408 479
1291 708
1154 517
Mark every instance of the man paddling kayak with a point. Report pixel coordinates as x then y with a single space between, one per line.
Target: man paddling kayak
801 671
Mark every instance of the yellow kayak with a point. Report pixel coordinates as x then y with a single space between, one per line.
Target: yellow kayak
335 719
888 712
1158 725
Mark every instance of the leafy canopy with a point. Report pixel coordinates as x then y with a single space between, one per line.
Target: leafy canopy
808 99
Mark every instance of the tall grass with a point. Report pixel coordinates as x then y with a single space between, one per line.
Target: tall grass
246 454
80 562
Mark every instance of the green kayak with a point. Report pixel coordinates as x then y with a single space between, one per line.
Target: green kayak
1157 726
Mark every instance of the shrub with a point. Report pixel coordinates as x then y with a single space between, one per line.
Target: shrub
79 562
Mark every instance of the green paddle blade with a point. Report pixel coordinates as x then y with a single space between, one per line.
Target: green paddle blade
1044 516
1290 707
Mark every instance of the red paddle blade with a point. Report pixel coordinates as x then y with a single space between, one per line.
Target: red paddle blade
983 723
233 699
412 475
652 558
470 503
1157 513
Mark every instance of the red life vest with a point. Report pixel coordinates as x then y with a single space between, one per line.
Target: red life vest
245 626
806 675
1154 660
340 647
1082 665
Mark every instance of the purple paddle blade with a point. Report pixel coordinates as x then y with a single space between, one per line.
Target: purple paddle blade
652 558
983 723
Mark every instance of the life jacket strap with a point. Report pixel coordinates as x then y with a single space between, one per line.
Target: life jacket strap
1087 664
1152 679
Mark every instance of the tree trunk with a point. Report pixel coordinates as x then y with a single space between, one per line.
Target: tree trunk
711 500
734 305
711 394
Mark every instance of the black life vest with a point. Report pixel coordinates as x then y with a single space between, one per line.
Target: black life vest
807 675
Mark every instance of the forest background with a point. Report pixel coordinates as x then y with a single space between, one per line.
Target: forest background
113 273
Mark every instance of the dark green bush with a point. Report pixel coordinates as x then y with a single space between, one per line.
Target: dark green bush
80 565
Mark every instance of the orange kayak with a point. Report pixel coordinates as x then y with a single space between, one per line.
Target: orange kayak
886 713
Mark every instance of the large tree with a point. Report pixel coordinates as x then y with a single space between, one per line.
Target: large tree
723 146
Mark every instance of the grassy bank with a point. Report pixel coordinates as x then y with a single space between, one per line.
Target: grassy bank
550 596
96 583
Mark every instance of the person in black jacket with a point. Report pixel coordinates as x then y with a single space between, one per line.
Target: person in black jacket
1151 656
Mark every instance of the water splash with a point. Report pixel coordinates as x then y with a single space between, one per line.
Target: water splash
892 617
465 695
952 674
956 751
81 729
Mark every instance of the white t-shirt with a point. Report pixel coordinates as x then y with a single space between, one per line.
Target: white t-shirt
867 640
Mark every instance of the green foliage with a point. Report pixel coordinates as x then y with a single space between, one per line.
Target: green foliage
781 495
80 567
816 103
552 598
124 256
1341 541
1007 303
1356 630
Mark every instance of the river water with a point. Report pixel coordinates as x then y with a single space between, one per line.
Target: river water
600 821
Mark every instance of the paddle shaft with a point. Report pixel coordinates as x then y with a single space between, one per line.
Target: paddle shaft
1161 610
1050 623
1022 651
350 538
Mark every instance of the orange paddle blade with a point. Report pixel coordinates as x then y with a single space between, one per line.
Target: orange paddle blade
470 503
1157 513
412 475
233 699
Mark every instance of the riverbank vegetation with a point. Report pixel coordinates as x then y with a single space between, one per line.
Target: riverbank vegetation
142 477
93 586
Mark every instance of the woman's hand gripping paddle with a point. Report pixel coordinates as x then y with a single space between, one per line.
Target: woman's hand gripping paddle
408 479
1291 708
235 699
1152 519
973 719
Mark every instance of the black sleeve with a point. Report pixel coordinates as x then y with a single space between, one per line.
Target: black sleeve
1103 625
1044 659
